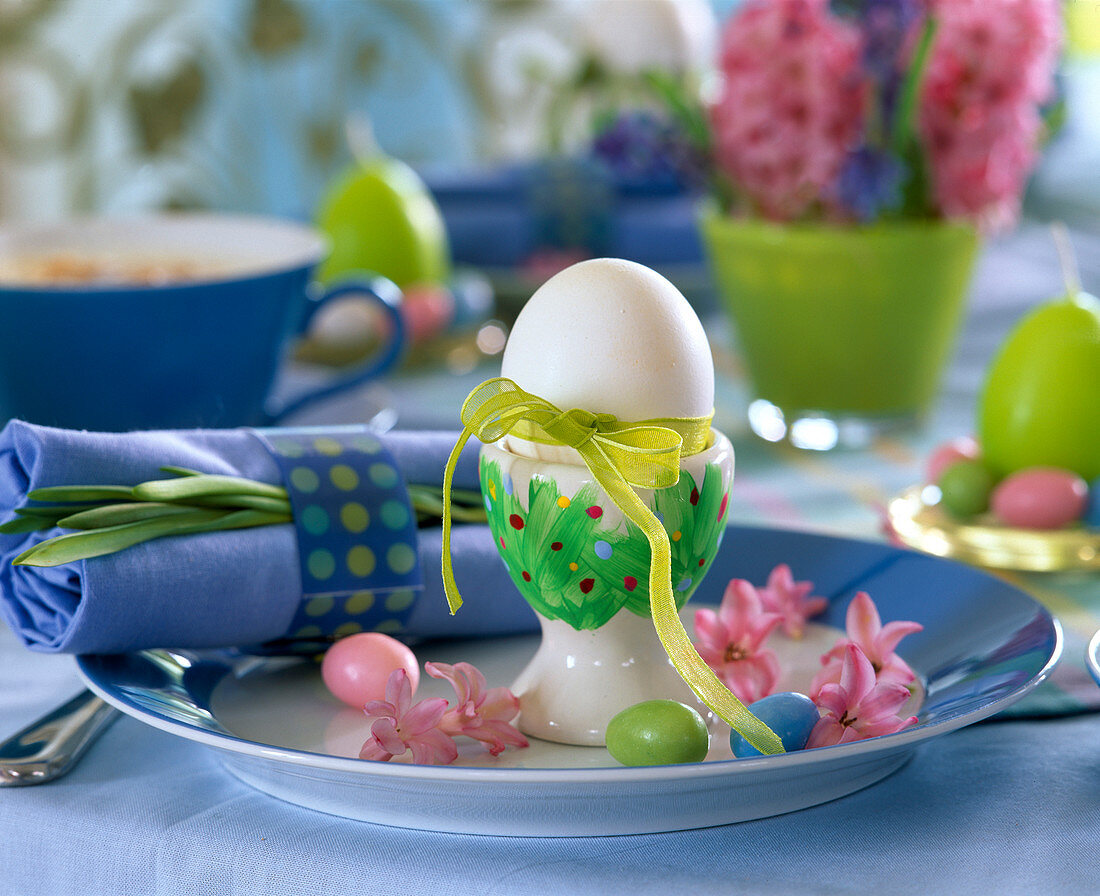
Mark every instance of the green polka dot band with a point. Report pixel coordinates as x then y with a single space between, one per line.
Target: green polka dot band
356 530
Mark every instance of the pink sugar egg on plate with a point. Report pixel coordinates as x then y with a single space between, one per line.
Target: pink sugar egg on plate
1040 498
428 310
355 669
962 448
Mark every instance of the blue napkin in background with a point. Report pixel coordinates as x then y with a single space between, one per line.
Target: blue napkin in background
220 589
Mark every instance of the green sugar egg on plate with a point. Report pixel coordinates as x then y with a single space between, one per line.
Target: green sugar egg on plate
657 732
1040 405
966 486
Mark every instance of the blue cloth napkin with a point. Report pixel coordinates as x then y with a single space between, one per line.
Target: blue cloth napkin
223 589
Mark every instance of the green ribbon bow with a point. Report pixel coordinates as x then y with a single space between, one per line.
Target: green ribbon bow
619 456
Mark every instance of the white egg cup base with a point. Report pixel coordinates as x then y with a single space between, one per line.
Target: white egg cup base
579 680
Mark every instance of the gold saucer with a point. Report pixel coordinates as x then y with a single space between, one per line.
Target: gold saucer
919 522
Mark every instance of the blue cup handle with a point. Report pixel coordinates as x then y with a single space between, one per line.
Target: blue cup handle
377 290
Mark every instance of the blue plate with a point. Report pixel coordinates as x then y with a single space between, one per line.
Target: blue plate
985 644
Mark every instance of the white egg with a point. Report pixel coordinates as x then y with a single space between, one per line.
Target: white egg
614 337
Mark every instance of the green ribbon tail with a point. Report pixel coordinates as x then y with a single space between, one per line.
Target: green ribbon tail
450 587
666 620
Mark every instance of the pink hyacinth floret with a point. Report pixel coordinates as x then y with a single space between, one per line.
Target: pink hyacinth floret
791 600
790 107
482 714
398 726
858 705
731 640
428 729
990 68
876 641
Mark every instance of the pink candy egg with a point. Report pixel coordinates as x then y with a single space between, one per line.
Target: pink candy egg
356 668
1040 498
962 448
428 311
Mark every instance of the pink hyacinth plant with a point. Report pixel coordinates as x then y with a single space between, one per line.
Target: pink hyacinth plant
731 641
481 713
791 600
877 642
989 70
427 729
848 111
397 726
790 106
858 705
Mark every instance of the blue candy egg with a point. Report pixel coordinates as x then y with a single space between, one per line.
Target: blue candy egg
791 716
1092 508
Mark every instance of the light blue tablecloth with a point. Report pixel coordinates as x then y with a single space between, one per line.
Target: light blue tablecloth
1007 807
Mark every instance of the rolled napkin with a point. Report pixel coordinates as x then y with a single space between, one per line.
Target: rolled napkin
235 588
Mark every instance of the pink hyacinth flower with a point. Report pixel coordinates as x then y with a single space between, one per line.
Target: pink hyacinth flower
788 598
790 106
990 68
398 726
858 706
876 641
730 642
480 713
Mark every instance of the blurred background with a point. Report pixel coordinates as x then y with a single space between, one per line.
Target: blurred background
253 106
242 104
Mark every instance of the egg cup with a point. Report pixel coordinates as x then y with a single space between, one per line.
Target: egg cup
584 569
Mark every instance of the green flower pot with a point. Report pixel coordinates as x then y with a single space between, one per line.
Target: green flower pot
845 331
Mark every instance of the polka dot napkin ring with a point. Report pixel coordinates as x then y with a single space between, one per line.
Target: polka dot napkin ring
356 531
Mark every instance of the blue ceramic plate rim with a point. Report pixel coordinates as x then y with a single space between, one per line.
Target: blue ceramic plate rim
938 715
1092 657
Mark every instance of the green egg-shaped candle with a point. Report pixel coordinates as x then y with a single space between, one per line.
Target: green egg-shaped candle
380 217
1041 402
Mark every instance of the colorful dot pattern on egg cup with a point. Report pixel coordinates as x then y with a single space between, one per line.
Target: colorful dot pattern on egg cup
356 532
570 564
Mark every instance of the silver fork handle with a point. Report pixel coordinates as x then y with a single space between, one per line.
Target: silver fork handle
49 747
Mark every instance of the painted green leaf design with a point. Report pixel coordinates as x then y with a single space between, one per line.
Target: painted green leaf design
695 519
570 565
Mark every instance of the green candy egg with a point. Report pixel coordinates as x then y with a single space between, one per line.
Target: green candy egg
965 487
658 732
